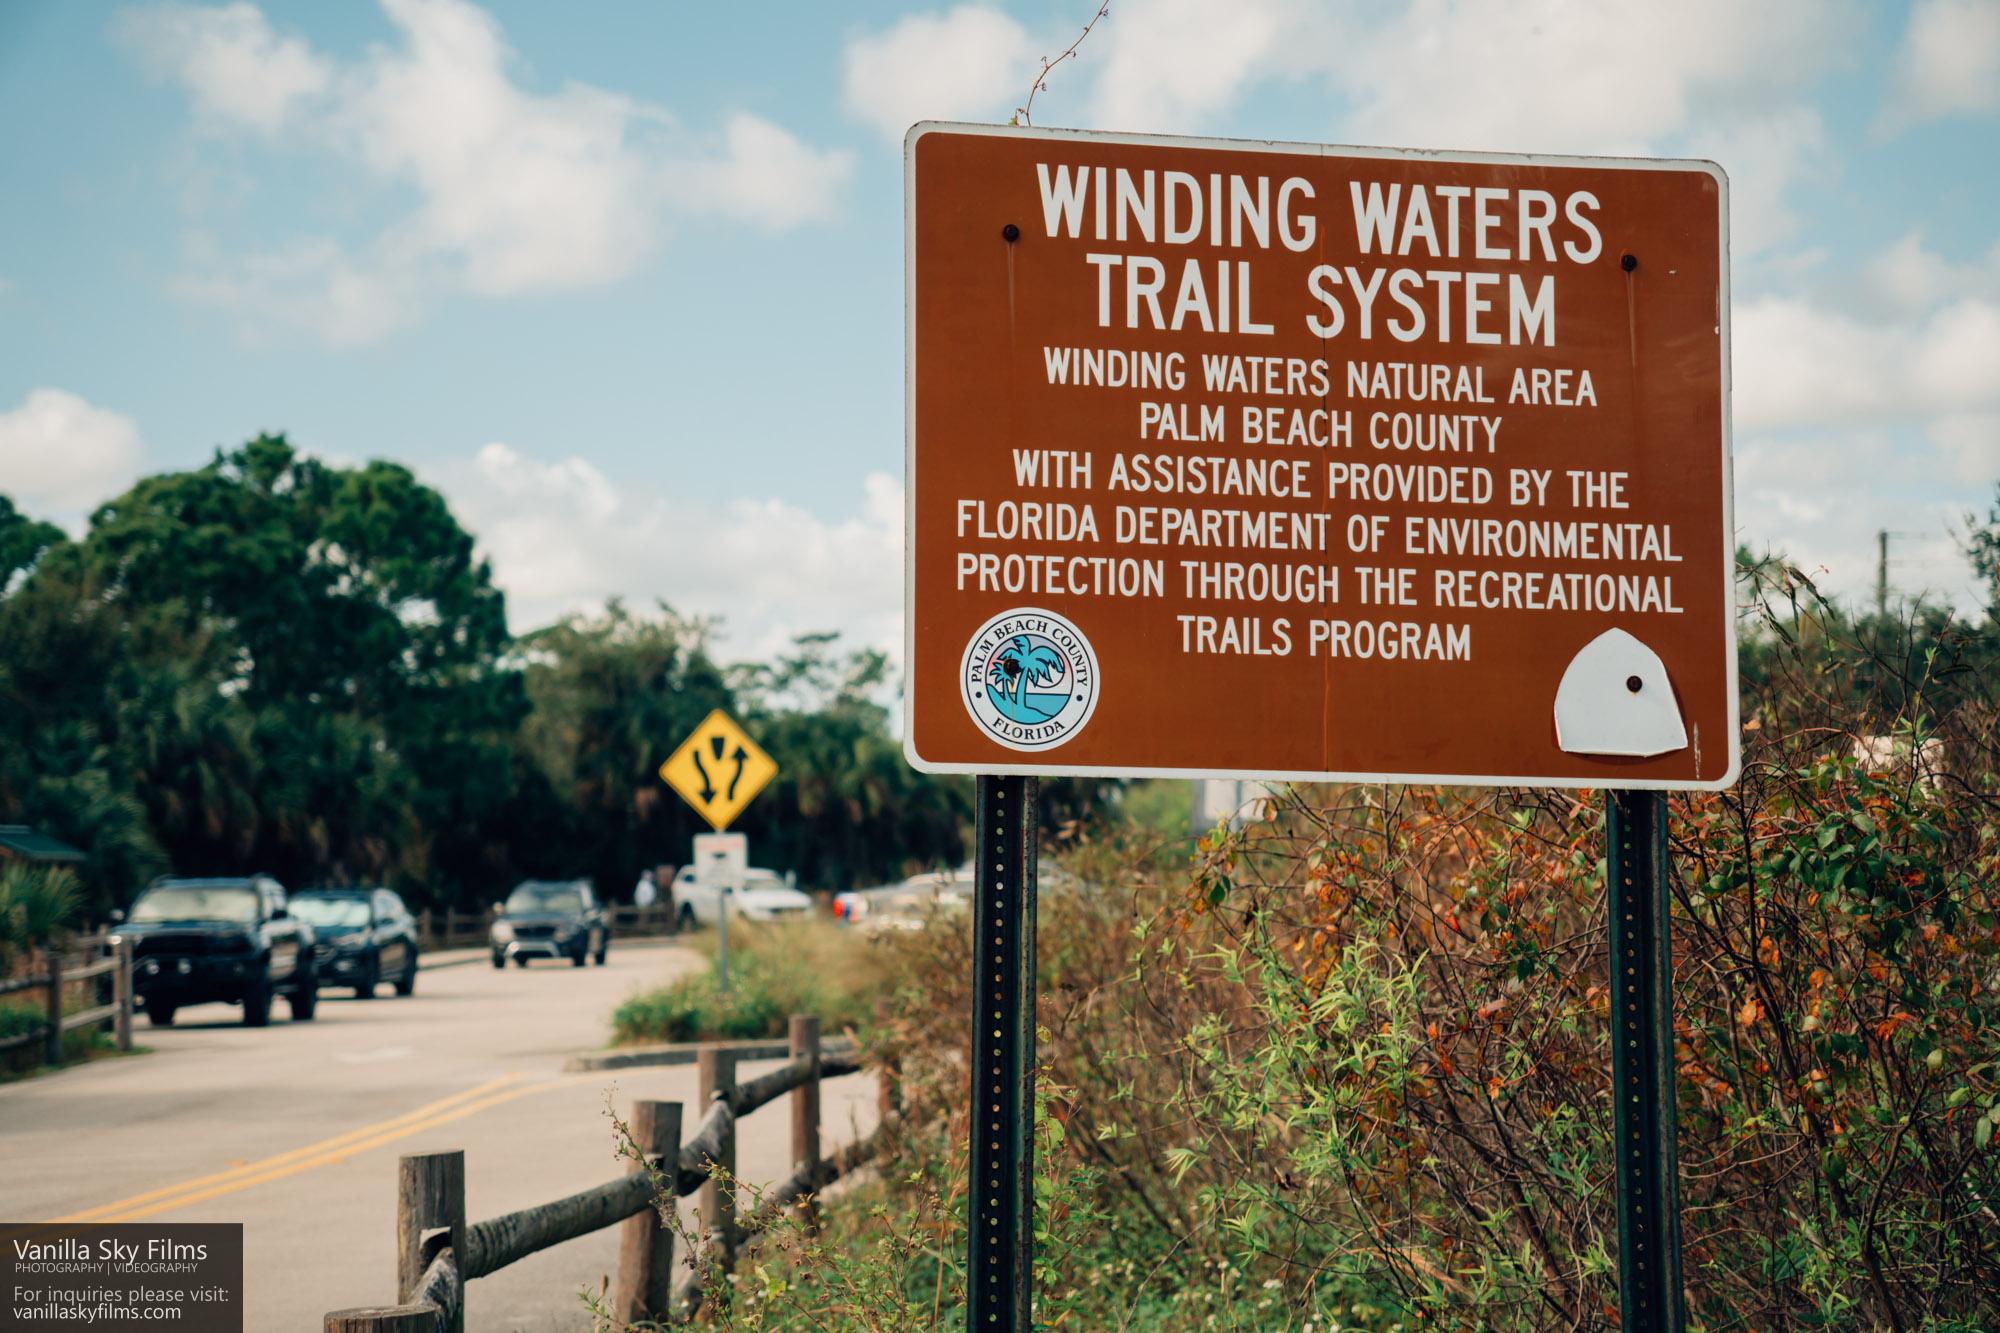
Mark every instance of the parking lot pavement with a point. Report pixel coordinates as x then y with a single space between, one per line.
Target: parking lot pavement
294 1129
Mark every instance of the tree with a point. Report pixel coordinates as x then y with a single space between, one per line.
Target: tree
330 693
846 808
612 694
22 541
1021 664
1982 546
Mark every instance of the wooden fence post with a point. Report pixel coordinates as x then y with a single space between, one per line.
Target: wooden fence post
385 1319
52 1053
430 1197
804 1041
121 992
645 1241
717 1200
888 1088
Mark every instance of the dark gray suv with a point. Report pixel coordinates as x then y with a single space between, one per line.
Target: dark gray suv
231 939
551 918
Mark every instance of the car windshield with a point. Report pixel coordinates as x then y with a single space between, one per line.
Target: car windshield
762 879
331 911
544 898
186 902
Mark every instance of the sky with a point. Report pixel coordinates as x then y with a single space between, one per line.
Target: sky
624 279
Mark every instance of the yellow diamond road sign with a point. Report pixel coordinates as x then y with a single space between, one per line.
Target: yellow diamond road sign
718 769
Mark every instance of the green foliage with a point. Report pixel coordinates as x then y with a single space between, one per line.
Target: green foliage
1347 1069
22 541
37 903
275 663
610 696
846 810
775 970
1983 547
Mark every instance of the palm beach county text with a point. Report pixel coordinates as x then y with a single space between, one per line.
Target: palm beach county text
1348 502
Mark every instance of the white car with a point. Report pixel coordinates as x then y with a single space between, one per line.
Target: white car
765 896
908 905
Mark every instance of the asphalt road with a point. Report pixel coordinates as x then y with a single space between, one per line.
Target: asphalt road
294 1130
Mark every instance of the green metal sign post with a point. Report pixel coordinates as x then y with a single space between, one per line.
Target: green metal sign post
1644 1117
1000 1248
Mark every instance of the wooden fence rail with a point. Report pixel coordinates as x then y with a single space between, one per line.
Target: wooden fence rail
99 956
438 1252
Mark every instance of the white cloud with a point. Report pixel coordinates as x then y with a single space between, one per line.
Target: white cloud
563 536
1875 406
1706 78
1799 362
968 63
313 287
1167 65
1578 75
517 191
61 457
1970 441
1910 277
766 177
1596 76
1949 62
1766 154
1821 504
237 69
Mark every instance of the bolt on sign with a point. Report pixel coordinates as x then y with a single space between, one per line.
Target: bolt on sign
717 769
1270 460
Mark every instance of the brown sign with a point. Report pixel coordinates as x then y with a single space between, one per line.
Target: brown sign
1283 461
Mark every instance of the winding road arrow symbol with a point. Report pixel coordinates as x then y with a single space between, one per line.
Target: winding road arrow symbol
741 757
707 785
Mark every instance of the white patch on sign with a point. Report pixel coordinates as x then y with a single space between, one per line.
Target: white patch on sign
1615 699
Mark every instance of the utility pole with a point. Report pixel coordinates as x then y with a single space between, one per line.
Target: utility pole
1882 572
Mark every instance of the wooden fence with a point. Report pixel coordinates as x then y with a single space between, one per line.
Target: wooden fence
438 1252
98 959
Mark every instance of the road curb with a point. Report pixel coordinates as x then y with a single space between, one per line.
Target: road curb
685 1053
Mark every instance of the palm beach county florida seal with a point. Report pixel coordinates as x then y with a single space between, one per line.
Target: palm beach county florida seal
1029 679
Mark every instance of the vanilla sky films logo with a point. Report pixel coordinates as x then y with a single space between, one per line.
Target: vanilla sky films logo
1029 679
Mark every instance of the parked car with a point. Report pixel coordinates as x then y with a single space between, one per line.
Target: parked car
366 937
228 939
906 906
551 918
765 896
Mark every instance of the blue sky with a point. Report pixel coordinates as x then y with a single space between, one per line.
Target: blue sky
624 279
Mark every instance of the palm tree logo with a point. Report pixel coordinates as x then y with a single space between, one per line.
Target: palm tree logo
1021 663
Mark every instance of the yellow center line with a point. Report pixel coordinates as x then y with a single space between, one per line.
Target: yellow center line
335 1149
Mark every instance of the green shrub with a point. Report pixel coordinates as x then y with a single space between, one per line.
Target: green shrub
37 903
775 971
20 1016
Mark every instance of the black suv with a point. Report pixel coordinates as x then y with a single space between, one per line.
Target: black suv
549 918
366 937
196 940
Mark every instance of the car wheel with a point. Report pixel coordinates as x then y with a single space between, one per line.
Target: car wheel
520 960
406 984
500 960
160 1013
603 947
371 976
257 1002
685 921
304 996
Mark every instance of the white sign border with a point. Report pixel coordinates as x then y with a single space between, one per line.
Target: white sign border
1611 779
